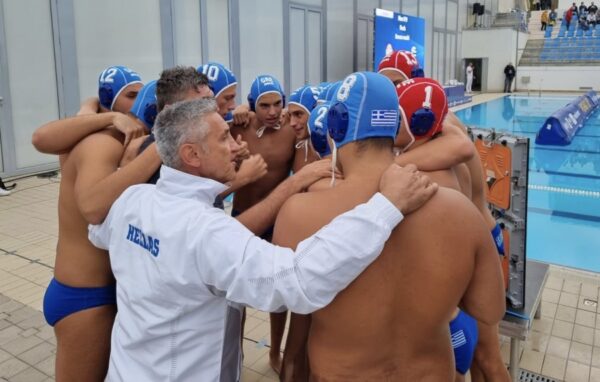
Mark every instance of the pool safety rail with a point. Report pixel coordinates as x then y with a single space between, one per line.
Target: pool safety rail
505 162
560 128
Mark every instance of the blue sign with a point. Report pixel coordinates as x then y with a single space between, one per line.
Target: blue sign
396 31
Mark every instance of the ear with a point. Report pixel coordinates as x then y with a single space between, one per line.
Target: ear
191 154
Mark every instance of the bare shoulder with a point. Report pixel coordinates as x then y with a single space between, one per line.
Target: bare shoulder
448 208
299 218
100 144
295 208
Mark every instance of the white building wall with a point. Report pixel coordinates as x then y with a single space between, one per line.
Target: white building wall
559 78
499 46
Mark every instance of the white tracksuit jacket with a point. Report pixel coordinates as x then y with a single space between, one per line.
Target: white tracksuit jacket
177 260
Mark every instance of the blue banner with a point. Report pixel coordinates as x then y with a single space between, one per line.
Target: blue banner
396 31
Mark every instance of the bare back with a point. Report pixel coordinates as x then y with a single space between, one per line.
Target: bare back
476 175
277 149
78 262
391 323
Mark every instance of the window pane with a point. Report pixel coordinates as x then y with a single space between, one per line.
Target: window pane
297 44
314 59
440 14
136 41
367 7
452 16
186 28
32 75
340 48
410 7
261 42
218 31
391 5
361 49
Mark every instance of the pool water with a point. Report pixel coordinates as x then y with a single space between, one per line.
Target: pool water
563 216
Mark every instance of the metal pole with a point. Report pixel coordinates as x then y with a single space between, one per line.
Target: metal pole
514 359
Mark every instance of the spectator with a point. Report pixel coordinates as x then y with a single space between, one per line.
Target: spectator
544 20
552 17
470 76
591 19
583 24
592 8
568 17
509 74
574 9
582 9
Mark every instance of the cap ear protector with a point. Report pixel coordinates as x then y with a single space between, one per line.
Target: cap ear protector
337 121
422 121
319 141
106 95
318 132
252 102
417 73
150 113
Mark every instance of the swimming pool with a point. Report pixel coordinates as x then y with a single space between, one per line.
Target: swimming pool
563 216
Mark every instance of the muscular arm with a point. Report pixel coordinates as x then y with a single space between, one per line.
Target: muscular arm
98 182
269 277
262 215
59 137
447 150
484 298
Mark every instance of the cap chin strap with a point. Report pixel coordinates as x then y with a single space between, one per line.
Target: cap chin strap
412 136
303 143
333 165
412 141
261 130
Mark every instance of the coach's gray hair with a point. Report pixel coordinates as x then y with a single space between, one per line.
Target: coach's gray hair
179 123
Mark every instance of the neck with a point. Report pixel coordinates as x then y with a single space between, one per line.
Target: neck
366 166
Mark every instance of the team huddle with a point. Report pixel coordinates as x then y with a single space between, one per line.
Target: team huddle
359 206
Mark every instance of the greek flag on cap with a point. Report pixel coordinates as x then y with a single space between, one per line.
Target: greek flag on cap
371 104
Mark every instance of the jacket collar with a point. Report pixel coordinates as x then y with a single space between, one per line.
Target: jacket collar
181 184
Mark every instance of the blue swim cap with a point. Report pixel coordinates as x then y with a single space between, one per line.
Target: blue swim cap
219 77
264 84
365 106
323 85
317 129
228 117
112 81
144 107
305 97
328 93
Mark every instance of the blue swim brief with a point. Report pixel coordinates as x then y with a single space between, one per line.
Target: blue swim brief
463 332
498 239
267 235
61 300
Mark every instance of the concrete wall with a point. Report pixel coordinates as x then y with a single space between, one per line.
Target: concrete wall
505 5
499 46
559 78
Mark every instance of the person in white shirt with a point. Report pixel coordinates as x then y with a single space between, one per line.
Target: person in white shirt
470 76
177 260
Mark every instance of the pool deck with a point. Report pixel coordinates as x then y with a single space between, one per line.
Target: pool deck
564 343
